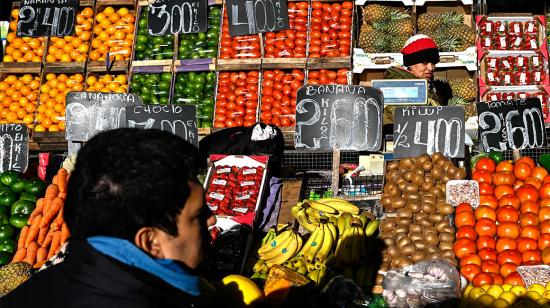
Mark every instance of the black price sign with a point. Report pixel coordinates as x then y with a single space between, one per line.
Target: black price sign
339 117
177 16
89 113
511 125
14 147
256 16
47 18
180 120
419 130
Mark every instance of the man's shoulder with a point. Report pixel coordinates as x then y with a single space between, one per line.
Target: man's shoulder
398 72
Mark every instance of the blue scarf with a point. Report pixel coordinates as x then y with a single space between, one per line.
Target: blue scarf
165 269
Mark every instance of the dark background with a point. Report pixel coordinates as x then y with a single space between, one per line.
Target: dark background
5 9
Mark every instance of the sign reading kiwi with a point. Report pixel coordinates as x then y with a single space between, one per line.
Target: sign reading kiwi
177 16
46 18
511 125
339 117
419 129
14 147
256 16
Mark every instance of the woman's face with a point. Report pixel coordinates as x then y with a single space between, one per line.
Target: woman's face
423 70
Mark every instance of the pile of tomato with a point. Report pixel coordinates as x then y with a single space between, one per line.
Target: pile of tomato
238 47
289 43
330 31
237 99
327 76
511 225
279 91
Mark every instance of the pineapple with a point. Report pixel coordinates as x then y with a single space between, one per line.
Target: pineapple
466 35
463 88
400 23
429 22
375 12
469 107
451 20
373 41
397 43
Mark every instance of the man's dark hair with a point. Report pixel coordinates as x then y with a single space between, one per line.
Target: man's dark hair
127 178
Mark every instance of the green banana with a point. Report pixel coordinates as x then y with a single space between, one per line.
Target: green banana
271 234
358 245
360 276
274 248
371 228
317 275
260 267
302 270
340 205
364 220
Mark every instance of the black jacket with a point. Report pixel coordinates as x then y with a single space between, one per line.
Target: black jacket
88 278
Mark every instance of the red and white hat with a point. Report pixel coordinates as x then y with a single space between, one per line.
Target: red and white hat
420 49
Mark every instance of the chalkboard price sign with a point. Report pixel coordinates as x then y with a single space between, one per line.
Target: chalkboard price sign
177 16
14 147
46 18
419 130
89 113
181 120
511 125
339 117
256 16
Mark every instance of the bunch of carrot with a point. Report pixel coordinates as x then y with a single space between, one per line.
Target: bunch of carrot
46 231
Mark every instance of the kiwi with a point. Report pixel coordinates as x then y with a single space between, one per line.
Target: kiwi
415 228
413 206
416 236
403 242
431 249
398 202
385 266
389 241
403 222
441 225
461 174
446 177
411 188
437 172
379 279
426 223
386 201
447 245
437 156
428 208
392 165
447 229
433 256
444 208
424 158
387 224
404 213
418 255
392 251
408 249
447 253
419 244
418 180
446 237
436 217
407 175
401 230
413 197
419 217
431 239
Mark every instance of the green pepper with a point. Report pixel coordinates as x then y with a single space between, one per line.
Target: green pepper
22 207
6 231
36 187
4 219
8 245
9 177
544 160
496 156
474 159
7 198
19 220
5 258
18 186
28 197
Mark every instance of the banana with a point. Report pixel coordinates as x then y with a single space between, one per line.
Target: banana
332 228
360 276
303 220
340 205
273 248
260 267
271 234
317 275
317 214
358 246
321 207
371 228
302 270
316 244
344 247
326 247
343 223
295 209
286 252
364 220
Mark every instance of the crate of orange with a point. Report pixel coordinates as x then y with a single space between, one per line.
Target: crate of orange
72 51
238 52
330 34
288 48
114 81
19 98
278 96
236 99
113 34
22 52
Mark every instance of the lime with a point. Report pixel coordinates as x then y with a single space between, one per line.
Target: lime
142 23
164 85
510 297
164 100
166 76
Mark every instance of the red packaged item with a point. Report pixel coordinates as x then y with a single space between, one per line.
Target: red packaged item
237 99
493 77
536 61
507 63
501 42
523 77
486 27
532 42
507 78
330 30
487 42
494 96
516 42
279 90
522 95
492 62
289 43
538 75
501 27
531 27
521 61
515 28
508 96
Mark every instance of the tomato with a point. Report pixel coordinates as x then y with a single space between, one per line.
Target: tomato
514 279
544 213
466 232
482 279
518 184
470 271
486 227
503 190
497 279
544 227
504 178
508 230
485 211
526 193
505 244
485 164
486 189
464 207
522 171
529 207
531 257
533 181
528 219
506 165
507 269
470 259
512 256
509 200
530 232
464 219
545 202
544 191
490 266
546 256
544 241
507 213
527 160
487 254
524 244
463 247
482 177
485 242
488 200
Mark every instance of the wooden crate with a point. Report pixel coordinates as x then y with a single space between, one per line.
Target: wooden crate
98 73
195 65
238 64
48 141
283 63
153 70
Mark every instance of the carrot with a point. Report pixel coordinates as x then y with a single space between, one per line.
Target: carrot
19 255
41 254
38 265
22 237
62 179
48 240
42 235
32 249
64 233
52 211
54 179
55 244
38 209
33 230
58 221
51 192
63 195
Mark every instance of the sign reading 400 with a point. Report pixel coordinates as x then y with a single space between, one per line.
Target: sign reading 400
511 125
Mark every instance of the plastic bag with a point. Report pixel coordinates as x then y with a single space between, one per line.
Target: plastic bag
149 47
421 284
202 45
107 83
327 76
152 88
238 47
237 99
279 90
330 31
289 43
113 33
73 48
343 292
197 88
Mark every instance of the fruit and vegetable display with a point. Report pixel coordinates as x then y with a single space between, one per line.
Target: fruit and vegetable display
238 47
279 90
237 99
43 230
415 189
19 97
330 29
113 34
73 48
447 29
18 198
22 49
202 45
149 47
196 88
289 43
511 34
117 83
506 295
153 88
384 29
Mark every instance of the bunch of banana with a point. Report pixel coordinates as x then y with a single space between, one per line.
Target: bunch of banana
309 212
351 246
318 248
280 248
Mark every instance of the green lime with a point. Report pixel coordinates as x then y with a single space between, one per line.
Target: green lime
142 23
140 46
166 76
164 101
142 39
496 156
164 85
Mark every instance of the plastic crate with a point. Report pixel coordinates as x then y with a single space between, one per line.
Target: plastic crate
362 185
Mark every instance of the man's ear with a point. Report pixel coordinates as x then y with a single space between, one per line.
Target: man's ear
147 238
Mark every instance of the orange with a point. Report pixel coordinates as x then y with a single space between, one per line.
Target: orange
10 49
108 11
35 43
39 128
28 119
11 117
53 128
15 13
91 80
61 125
21 113
8 58
30 108
47 123
35 84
